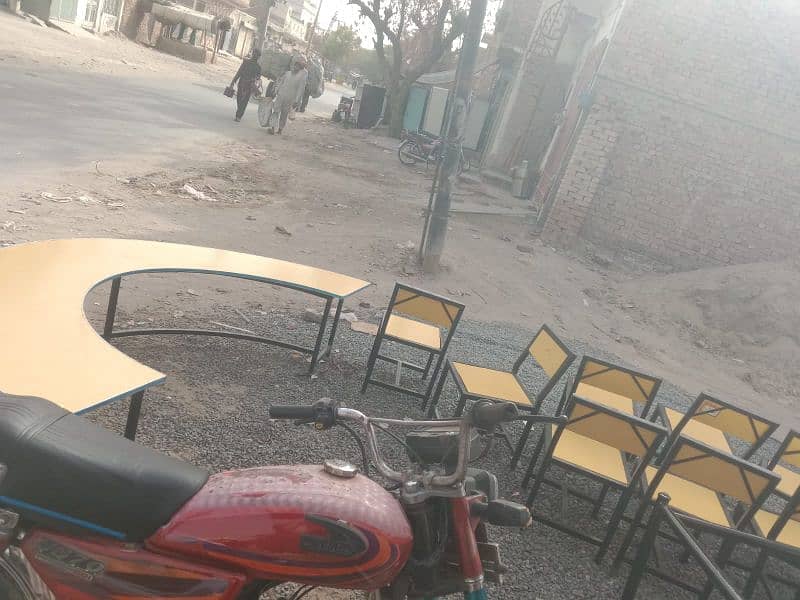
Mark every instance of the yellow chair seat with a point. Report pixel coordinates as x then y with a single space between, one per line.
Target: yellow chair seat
489 383
711 436
789 535
604 397
790 480
415 332
690 498
590 455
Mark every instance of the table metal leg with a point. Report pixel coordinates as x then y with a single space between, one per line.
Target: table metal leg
322 327
111 312
133 415
334 327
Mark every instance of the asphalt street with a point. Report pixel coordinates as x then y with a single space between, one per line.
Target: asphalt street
56 118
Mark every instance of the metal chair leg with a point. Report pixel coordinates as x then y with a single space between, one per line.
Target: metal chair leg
613 524
521 445
755 575
373 356
428 366
436 370
462 401
540 475
639 566
628 540
534 460
434 399
600 499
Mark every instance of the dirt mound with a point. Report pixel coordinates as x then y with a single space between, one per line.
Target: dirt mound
748 313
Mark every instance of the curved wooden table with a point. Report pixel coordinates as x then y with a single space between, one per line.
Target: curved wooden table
49 348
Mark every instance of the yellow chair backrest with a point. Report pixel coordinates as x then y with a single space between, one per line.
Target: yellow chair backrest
791 454
731 420
618 430
548 352
426 307
636 386
719 471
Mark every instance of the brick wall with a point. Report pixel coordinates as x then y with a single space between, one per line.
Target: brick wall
691 151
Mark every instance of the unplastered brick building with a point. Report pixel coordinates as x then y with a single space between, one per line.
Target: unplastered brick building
678 137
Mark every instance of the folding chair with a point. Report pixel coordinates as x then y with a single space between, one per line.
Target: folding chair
789 453
430 314
662 514
774 535
474 382
697 478
783 528
709 420
595 442
614 386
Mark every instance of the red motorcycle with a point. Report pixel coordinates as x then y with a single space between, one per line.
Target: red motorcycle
87 514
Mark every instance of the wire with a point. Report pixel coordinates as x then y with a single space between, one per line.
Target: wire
402 442
355 436
487 448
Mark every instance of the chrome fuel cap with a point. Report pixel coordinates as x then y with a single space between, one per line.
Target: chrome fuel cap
340 468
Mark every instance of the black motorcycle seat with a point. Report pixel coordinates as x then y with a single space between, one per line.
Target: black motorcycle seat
66 472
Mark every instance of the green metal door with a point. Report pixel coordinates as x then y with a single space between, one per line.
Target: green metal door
415 108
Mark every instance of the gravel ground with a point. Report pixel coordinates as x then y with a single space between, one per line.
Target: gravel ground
213 411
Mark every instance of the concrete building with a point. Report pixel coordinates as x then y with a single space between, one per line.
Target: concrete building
94 15
304 11
664 129
284 25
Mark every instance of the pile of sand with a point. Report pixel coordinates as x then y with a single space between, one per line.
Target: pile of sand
747 313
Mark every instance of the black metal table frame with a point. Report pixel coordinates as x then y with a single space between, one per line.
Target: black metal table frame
317 353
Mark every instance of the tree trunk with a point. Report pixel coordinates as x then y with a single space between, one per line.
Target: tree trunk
131 26
398 96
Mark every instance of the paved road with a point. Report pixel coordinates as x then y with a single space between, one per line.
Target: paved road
57 118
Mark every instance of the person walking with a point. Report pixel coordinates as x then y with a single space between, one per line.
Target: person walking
248 74
289 92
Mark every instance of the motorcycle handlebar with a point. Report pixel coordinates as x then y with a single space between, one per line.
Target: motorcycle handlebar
325 413
306 412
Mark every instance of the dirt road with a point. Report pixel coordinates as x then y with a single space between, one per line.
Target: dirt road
155 123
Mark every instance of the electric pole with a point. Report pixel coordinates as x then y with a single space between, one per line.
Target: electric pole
313 29
437 229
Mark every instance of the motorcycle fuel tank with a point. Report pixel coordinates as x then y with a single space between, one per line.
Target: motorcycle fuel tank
293 523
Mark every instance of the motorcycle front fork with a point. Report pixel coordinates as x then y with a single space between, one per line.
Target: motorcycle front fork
463 529
471 565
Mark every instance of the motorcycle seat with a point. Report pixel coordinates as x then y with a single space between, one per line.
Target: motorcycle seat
65 472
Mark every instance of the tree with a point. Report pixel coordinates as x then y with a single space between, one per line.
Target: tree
365 61
338 46
410 38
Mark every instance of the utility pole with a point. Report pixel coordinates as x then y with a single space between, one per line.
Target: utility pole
437 228
313 29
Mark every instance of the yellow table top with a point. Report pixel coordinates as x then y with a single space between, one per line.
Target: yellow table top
51 351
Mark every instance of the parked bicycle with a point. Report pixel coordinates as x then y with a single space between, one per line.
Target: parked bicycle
421 147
